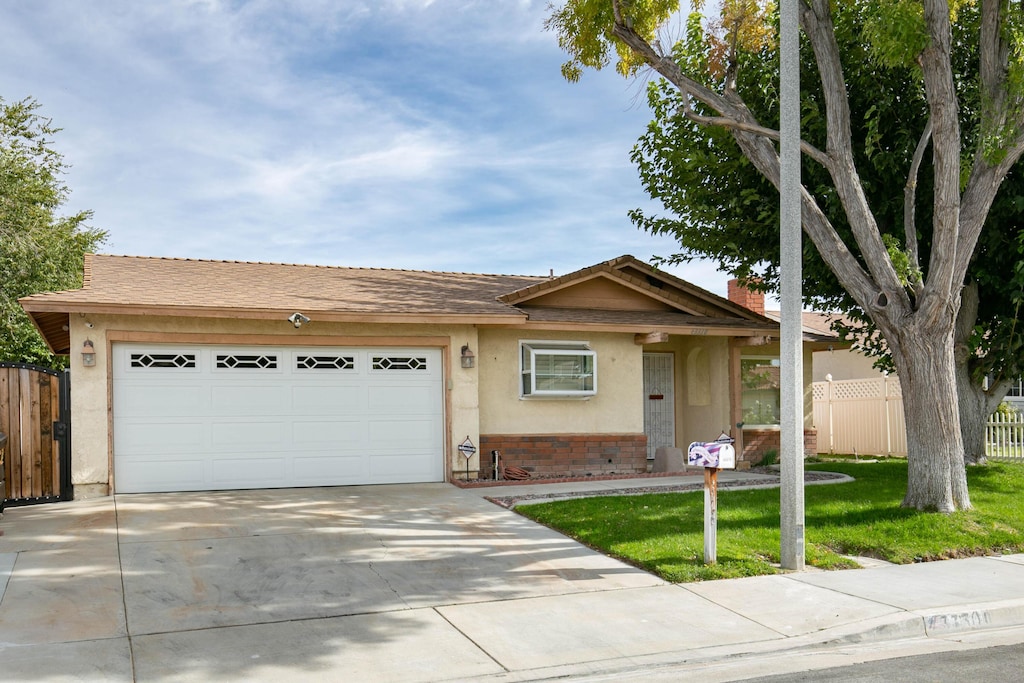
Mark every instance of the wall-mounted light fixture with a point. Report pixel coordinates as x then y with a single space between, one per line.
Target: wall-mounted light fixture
298 319
88 353
468 359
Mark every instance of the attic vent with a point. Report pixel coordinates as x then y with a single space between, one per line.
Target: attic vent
655 282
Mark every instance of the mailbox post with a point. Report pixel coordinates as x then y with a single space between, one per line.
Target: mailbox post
713 456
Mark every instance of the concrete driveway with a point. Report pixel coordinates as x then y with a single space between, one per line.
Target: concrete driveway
283 584
423 583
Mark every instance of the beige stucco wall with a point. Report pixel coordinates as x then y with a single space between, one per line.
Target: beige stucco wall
702 413
701 369
843 364
617 408
90 397
496 408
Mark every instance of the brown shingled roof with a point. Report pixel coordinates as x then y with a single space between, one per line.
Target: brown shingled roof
193 285
134 285
816 326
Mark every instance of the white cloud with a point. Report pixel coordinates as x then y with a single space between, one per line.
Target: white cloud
406 133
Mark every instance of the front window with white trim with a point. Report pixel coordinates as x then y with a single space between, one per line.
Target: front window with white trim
557 368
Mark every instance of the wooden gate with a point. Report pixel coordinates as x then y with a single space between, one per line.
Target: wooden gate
34 414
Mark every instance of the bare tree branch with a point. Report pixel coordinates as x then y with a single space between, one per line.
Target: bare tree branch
985 179
994 53
910 208
940 91
816 21
770 133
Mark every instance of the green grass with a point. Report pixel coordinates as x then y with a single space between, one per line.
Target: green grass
664 532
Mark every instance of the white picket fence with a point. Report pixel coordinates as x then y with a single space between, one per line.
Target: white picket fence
865 416
1004 437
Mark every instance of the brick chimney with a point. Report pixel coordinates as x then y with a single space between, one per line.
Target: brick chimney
746 298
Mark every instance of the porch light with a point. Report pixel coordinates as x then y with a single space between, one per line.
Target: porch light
468 359
88 353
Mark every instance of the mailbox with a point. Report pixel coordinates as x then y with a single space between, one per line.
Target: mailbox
719 453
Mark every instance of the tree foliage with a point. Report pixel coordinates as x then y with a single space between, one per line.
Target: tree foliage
40 249
720 206
900 252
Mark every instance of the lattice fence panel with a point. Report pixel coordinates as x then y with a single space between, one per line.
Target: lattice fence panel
863 416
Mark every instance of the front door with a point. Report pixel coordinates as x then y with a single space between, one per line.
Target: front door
659 402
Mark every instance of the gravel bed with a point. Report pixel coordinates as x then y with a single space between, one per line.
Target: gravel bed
771 479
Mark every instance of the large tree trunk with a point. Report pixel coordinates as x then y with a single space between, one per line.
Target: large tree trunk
975 400
936 478
976 405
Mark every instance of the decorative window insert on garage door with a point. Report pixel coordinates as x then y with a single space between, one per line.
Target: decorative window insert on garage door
193 418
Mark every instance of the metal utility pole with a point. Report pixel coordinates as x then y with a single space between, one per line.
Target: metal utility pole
791 294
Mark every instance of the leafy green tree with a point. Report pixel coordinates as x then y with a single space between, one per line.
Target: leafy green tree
720 206
40 249
912 294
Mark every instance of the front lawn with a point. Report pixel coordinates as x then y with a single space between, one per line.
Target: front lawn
664 532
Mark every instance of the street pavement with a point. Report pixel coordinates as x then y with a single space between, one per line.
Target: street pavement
424 582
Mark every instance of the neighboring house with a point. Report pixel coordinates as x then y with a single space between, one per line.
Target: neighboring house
839 361
202 375
1015 396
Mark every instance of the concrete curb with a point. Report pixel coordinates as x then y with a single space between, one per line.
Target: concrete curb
901 626
994 615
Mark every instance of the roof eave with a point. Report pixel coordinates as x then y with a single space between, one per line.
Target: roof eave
57 307
639 328
54 328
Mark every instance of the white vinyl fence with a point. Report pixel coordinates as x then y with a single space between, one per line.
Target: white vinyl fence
865 416
861 416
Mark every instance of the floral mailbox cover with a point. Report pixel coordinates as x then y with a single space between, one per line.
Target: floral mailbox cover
718 453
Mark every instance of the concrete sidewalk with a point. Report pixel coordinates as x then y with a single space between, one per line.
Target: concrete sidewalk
416 583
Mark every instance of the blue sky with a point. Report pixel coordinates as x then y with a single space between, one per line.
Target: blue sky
419 134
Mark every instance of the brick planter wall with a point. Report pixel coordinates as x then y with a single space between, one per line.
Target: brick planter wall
758 441
566 454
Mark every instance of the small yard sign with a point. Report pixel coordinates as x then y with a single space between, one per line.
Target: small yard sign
468 450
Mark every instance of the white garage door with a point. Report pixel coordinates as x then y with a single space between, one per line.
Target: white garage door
197 418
